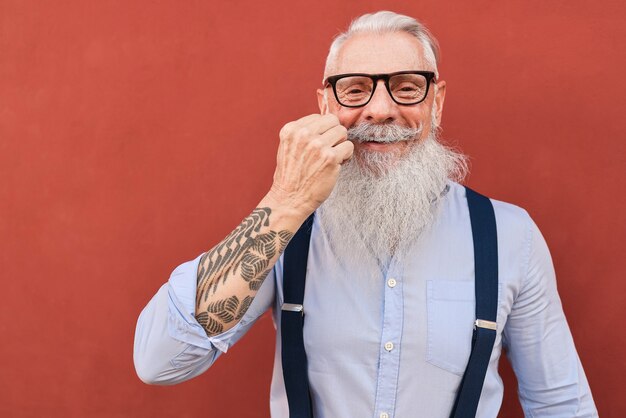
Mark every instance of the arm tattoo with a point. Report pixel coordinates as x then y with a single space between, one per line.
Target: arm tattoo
245 252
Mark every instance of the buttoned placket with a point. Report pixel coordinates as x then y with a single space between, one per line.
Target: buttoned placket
390 343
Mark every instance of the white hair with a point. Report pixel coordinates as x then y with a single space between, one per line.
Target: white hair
387 22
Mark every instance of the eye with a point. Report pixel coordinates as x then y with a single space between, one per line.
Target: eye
354 86
406 87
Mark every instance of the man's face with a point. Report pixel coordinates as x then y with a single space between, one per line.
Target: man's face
382 54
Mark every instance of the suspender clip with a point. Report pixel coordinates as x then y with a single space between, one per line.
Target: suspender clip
293 307
481 323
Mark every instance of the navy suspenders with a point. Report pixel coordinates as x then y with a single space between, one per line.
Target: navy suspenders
486 288
485 239
292 321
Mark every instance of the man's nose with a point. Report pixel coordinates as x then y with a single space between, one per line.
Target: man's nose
381 107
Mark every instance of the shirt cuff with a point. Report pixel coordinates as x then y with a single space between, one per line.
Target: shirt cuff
182 324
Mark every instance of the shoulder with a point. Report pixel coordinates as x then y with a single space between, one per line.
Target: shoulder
514 224
509 217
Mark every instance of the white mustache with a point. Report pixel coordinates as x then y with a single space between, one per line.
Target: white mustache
384 133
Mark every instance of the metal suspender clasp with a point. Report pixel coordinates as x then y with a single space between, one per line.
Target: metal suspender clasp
481 323
293 307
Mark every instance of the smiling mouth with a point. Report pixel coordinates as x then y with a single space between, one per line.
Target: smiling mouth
375 141
376 144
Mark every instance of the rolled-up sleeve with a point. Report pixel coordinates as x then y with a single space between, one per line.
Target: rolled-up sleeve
551 379
170 345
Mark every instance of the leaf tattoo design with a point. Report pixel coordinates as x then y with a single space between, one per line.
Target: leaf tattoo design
245 253
223 311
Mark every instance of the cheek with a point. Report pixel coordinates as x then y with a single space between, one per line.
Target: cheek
347 117
415 117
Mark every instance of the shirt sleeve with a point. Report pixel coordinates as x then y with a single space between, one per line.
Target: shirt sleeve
170 345
550 376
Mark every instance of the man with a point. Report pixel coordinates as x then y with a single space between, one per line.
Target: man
389 295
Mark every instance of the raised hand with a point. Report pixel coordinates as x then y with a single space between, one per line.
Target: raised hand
309 159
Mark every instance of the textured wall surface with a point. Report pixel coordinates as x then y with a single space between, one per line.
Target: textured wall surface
136 134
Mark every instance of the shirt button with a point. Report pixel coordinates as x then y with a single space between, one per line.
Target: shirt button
384 415
391 282
389 346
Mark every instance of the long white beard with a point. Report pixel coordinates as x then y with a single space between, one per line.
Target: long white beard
382 201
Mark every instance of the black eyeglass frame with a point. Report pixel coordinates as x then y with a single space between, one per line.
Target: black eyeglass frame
332 80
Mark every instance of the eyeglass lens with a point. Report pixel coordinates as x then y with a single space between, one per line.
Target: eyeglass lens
405 88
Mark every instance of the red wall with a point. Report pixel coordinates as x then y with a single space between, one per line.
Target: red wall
136 134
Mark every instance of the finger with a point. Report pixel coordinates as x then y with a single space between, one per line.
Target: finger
334 136
305 120
323 123
344 151
296 125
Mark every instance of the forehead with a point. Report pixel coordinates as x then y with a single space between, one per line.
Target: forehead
380 53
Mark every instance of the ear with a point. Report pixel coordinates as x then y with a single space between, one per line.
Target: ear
322 102
439 99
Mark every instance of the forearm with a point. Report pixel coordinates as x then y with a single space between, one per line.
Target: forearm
309 159
231 273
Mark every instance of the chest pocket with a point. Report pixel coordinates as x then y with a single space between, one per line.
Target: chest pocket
451 314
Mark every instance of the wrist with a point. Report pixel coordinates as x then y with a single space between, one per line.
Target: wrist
286 206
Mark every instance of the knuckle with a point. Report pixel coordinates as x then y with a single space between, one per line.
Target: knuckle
303 133
314 145
327 155
286 130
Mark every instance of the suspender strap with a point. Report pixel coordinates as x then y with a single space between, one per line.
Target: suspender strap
294 359
484 235
292 321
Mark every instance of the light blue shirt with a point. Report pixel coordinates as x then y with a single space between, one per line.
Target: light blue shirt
396 346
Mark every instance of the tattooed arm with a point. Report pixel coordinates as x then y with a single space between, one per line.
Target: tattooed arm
230 274
309 157
222 286
170 347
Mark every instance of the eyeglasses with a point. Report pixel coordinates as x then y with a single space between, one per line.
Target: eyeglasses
405 87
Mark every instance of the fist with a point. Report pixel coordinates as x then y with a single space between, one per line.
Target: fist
309 159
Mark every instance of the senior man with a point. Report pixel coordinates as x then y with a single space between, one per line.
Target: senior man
389 299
